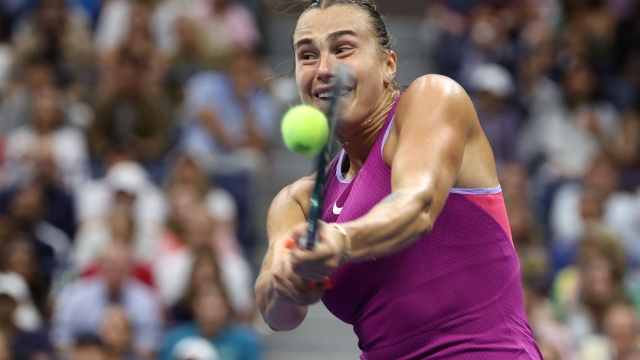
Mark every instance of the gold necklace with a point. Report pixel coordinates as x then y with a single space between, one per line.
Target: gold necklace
396 93
383 110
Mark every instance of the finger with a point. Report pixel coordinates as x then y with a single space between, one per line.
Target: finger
298 231
311 275
298 292
319 254
289 243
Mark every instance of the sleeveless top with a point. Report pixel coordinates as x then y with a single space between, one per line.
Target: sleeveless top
453 294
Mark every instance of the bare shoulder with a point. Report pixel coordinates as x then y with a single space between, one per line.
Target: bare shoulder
434 85
432 107
299 191
436 94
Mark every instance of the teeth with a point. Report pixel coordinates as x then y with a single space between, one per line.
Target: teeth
327 94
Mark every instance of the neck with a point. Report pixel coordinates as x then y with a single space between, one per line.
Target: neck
210 330
359 140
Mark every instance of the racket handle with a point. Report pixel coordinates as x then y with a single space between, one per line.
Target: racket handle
304 240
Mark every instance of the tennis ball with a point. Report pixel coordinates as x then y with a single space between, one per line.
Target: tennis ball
305 130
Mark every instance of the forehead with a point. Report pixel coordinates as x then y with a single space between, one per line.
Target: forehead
322 22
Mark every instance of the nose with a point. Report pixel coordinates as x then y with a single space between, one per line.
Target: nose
326 70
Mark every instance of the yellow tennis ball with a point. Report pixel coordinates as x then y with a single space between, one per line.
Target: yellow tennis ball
305 129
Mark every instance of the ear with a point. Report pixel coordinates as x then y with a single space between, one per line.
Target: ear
390 67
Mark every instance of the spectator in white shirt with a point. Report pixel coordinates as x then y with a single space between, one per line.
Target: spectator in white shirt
47 129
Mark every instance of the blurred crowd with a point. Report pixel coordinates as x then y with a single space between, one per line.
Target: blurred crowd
133 132
130 144
556 85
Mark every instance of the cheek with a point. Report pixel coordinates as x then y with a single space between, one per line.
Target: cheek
304 79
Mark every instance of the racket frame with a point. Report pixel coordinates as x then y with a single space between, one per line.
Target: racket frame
309 240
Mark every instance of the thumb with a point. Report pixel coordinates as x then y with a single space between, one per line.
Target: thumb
299 232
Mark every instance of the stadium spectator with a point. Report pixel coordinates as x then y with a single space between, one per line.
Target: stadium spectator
535 89
570 134
196 50
87 347
38 73
53 32
500 121
194 348
220 204
22 344
627 150
620 335
47 132
25 215
80 307
197 250
117 21
211 310
227 20
125 181
205 270
596 198
227 113
119 225
229 121
129 114
583 292
19 258
535 262
116 334
487 42
60 209
551 335
594 24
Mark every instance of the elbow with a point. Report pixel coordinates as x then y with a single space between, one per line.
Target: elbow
425 225
425 219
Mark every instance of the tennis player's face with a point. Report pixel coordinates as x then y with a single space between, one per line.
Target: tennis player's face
340 34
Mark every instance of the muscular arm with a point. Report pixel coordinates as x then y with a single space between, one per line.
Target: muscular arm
435 122
286 211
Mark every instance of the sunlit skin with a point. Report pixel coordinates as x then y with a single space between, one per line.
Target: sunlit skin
436 143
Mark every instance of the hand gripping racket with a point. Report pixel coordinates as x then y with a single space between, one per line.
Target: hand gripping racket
308 241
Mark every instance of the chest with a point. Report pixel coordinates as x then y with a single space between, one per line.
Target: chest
346 201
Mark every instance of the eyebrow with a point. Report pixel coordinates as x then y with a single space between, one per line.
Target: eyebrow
332 36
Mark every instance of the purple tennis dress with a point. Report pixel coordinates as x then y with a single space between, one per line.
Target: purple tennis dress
455 294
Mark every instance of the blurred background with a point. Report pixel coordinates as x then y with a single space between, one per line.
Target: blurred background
139 152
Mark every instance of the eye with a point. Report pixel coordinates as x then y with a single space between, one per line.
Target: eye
343 49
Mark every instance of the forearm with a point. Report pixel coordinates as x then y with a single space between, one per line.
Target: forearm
393 225
281 315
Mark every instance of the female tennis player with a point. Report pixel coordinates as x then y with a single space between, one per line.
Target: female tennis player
414 243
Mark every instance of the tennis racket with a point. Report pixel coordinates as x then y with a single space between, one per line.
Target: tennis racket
308 241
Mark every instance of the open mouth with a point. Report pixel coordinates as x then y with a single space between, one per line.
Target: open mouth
326 95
